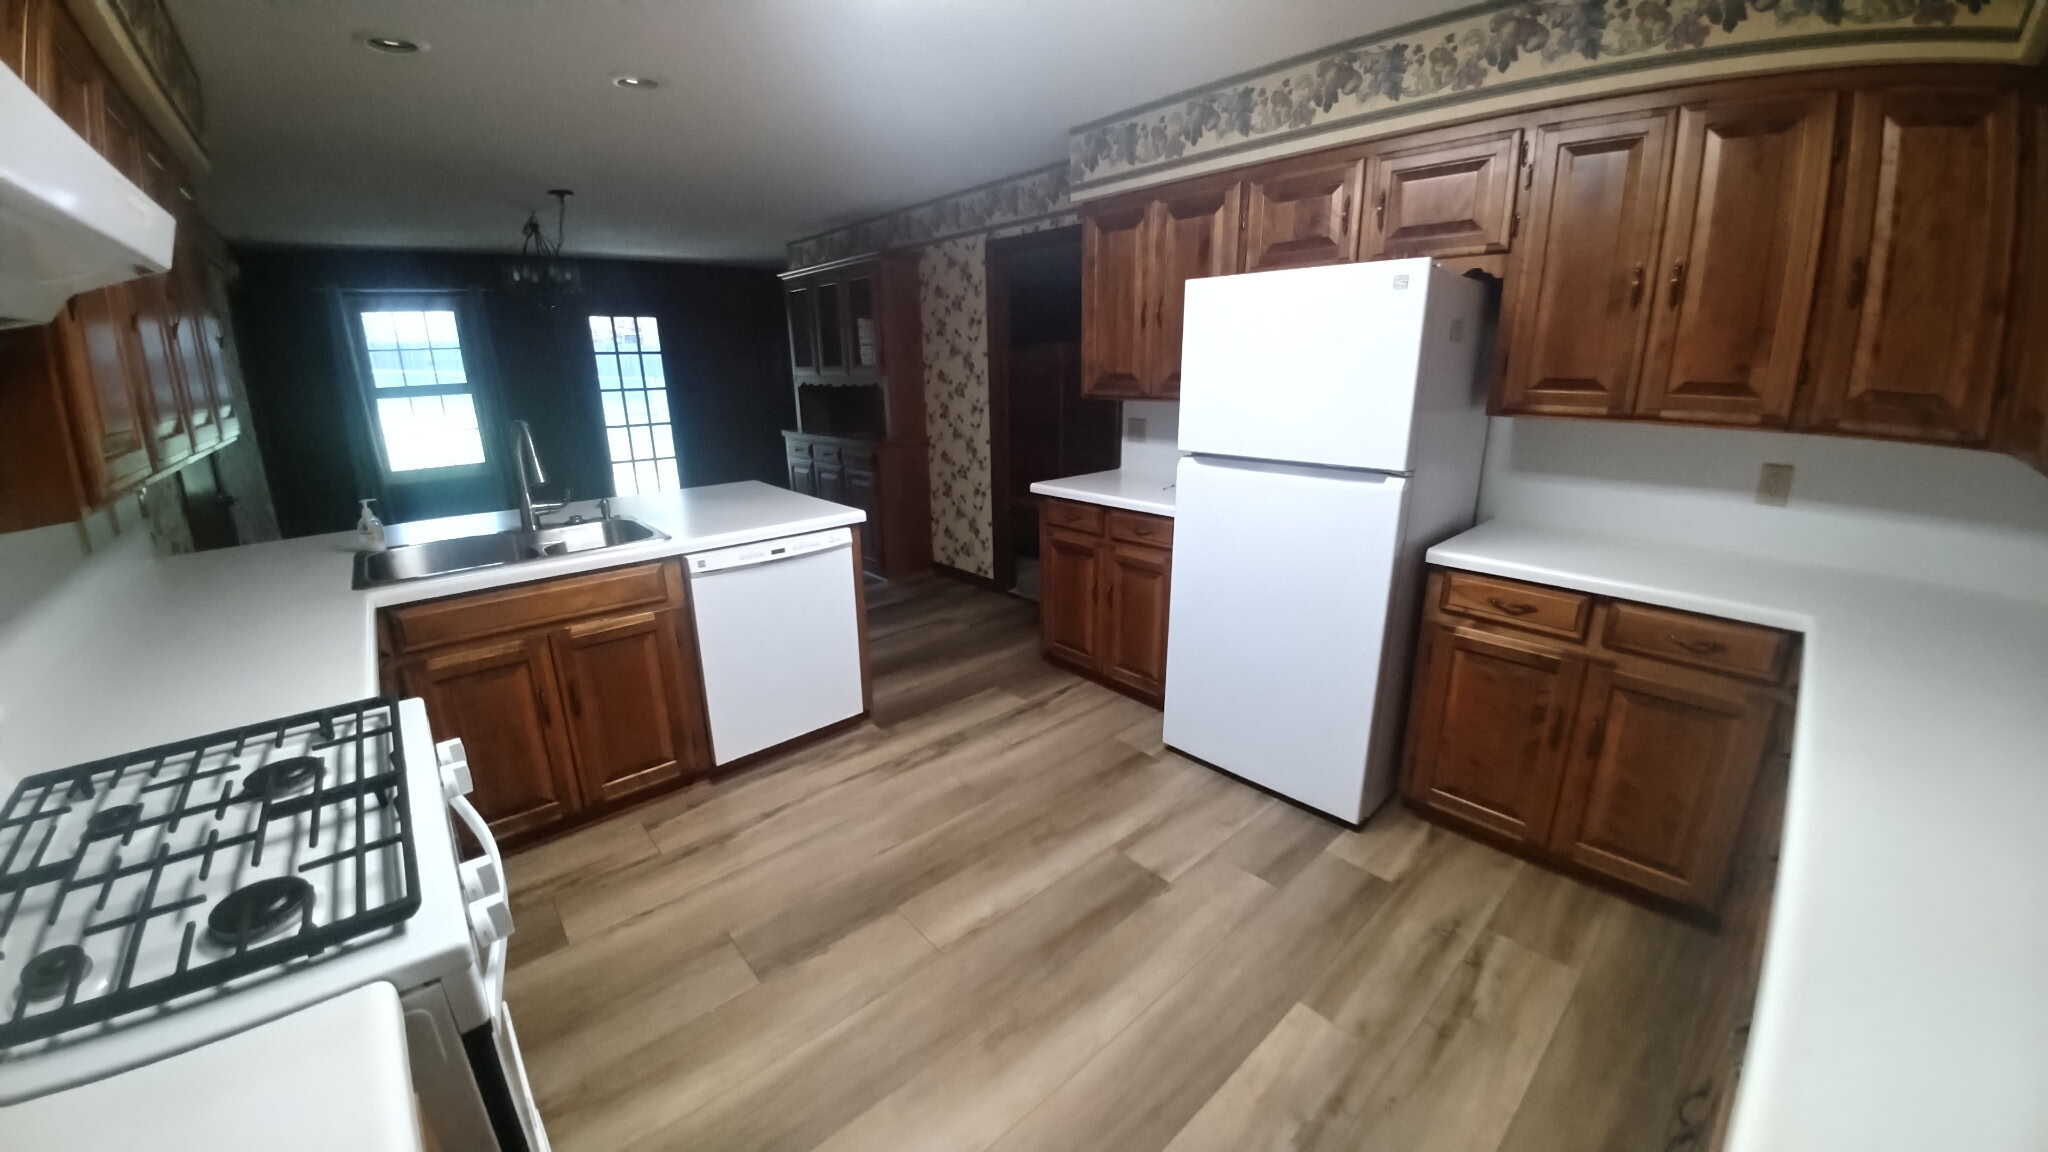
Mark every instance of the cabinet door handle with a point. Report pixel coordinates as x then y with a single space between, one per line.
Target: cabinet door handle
1511 607
1677 291
575 699
1635 287
1859 279
1379 213
1697 647
1594 738
540 704
1344 217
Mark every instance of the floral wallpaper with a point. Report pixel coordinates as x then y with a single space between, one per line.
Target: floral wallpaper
1501 47
148 26
952 279
1015 200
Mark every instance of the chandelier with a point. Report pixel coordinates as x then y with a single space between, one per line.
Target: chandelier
541 267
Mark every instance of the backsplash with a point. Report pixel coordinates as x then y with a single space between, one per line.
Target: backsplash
1947 515
1156 450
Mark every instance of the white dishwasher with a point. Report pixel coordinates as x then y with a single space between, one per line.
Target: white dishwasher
778 633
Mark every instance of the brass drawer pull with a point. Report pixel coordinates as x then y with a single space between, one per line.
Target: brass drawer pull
1697 647
1511 608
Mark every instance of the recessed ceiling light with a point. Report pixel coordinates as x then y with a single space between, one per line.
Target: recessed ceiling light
392 45
640 82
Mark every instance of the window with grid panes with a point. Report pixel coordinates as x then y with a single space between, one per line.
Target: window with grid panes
633 390
420 392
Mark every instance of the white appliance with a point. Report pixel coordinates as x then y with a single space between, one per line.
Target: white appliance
1336 424
779 638
69 221
161 901
330 1078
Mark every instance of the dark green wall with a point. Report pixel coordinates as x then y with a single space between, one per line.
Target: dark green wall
723 346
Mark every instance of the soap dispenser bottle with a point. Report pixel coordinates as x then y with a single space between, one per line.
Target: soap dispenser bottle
369 530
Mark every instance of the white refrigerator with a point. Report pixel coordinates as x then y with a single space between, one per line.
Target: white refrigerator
1335 422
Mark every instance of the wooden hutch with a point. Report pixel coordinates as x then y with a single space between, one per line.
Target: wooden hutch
856 356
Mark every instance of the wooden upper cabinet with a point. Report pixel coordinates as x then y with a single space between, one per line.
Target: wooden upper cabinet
1193 233
632 717
1741 250
1133 644
1659 775
1113 257
497 698
1915 305
1581 274
68 74
1302 214
1443 198
1487 736
112 428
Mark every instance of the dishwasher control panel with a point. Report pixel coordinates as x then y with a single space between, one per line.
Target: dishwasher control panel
743 555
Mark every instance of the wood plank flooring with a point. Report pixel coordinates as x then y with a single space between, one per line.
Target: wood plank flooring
1002 916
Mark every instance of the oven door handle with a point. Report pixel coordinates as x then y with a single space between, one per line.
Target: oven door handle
490 916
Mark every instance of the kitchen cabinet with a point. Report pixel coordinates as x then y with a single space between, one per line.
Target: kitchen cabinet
856 352
1298 215
2023 427
572 695
1443 196
1609 739
1741 250
1105 575
1137 255
128 383
1914 308
1576 322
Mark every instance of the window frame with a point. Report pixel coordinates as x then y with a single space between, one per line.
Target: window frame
598 392
349 306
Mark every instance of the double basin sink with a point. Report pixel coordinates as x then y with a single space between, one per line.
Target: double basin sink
491 550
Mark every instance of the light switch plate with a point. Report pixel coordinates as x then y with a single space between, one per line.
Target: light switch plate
1774 485
1134 427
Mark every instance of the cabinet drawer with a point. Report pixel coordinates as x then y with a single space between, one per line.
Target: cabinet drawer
1140 528
1704 642
825 453
1073 515
1547 610
798 449
522 606
862 459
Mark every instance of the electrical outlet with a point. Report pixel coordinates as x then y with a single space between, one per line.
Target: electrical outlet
1134 427
1774 485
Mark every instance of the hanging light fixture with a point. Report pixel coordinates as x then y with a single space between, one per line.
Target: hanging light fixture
541 267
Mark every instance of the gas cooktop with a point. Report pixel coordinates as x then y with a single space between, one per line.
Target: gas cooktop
132 884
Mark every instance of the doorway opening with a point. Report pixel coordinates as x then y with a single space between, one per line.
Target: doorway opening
1041 426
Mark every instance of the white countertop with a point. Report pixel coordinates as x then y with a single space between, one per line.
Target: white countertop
1132 491
1904 1003
138 650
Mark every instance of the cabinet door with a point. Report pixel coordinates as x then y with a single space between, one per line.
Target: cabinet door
1113 292
1301 215
2023 429
634 722
1487 739
801 303
1661 770
1923 258
803 477
1194 233
830 298
69 74
113 431
14 41
831 482
1741 250
1133 647
1580 281
1443 199
1070 578
500 699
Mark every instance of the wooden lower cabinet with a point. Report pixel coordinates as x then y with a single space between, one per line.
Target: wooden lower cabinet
1585 753
570 695
885 479
1104 582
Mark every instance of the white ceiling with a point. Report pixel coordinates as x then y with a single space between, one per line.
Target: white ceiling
776 118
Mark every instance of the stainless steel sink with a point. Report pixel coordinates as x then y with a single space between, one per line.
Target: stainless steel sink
514 546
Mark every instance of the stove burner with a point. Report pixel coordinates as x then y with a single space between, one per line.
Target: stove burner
54 972
281 778
252 912
113 821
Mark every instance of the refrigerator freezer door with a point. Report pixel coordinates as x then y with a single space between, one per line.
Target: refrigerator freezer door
1282 578
1310 365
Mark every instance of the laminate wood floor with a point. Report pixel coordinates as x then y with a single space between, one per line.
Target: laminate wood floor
1002 916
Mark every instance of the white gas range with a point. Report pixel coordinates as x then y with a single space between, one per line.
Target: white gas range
155 902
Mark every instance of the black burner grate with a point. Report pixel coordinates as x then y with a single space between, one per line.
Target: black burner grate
30 821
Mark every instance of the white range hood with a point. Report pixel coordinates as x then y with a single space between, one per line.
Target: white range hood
69 221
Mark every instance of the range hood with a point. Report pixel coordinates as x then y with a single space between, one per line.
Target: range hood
69 221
